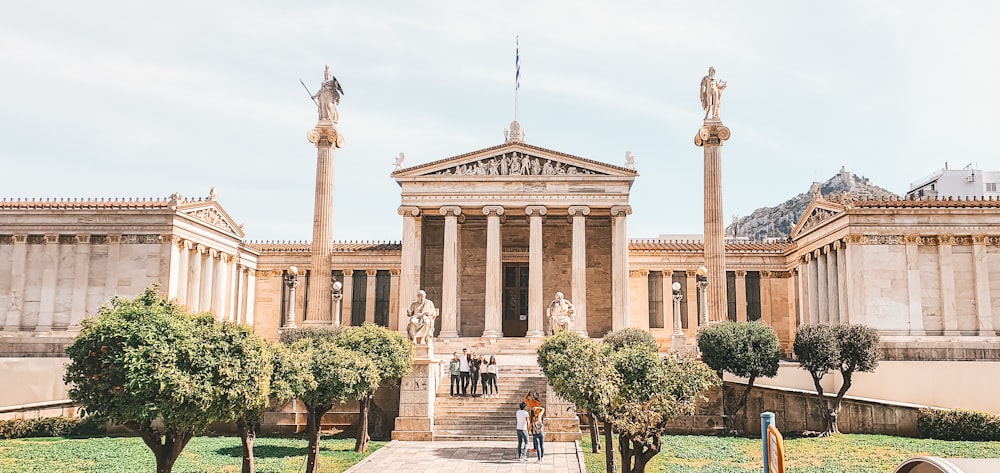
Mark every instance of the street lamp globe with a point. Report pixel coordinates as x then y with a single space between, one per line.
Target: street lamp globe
702 272
676 286
293 270
337 286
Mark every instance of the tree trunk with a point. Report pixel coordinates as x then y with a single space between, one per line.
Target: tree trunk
835 411
643 454
314 414
166 447
248 433
731 417
822 400
595 438
361 445
625 447
609 448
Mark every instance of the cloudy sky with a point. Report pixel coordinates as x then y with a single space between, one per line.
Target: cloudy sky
142 99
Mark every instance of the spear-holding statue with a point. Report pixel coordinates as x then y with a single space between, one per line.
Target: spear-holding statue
329 97
711 94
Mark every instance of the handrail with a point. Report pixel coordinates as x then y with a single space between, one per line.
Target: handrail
36 405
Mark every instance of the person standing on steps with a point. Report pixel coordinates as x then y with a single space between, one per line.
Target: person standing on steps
538 431
522 432
453 370
463 367
490 378
475 365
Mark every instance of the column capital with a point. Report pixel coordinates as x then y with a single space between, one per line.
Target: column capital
82 238
531 210
979 239
825 249
451 210
911 239
946 239
582 210
638 273
325 137
713 133
408 211
807 257
187 244
114 238
214 253
816 253
371 272
20 238
691 272
348 272
837 245
741 273
855 238
394 272
621 210
199 247
765 274
493 210
51 238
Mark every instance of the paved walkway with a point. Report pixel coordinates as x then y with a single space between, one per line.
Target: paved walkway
467 457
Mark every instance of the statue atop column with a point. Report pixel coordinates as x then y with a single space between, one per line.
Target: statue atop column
561 314
328 97
711 94
422 314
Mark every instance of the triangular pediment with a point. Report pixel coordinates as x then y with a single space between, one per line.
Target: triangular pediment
817 213
212 214
513 160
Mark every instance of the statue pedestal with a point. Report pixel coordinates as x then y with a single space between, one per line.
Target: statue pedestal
561 421
416 397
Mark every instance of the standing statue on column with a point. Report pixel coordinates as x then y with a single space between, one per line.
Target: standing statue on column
422 314
561 314
329 97
711 94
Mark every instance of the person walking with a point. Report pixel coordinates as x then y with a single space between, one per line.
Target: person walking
475 365
538 431
463 369
522 432
453 370
491 376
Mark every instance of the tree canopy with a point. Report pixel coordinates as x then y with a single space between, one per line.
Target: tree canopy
744 349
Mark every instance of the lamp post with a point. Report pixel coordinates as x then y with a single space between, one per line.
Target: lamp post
701 278
678 340
337 294
291 280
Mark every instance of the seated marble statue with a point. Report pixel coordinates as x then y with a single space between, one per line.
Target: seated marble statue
561 314
422 314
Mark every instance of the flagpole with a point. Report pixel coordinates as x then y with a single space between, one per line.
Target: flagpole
517 73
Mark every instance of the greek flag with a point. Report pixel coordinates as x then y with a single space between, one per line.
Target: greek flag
517 65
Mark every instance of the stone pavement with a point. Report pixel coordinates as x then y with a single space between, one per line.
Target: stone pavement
468 457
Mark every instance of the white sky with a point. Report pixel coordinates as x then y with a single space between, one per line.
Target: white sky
142 99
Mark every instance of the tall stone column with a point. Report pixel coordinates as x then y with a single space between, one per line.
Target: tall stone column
347 303
536 325
251 295
239 310
394 301
946 266
984 309
81 268
173 255
17 283
821 283
812 288
220 289
409 265
692 298
494 278
842 282
619 266
741 296
832 301
208 281
370 295
449 273
183 271
326 138
194 285
578 286
711 137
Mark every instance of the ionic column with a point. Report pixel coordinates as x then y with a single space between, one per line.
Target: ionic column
250 295
183 271
741 296
234 288
409 265
111 276
494 279
394 300
241 294
946 266
449 276
914 291
823 307
81 270
194 285
639 285
17 271
536 324
370 295
712 135
578 286
801 317
832 299
346 303
619 266
812 286
666 288
984 310
692 298
326 138
841 282
219 288
765 298
208 280
50 270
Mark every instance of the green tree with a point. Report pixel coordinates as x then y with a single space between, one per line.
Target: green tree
392 355
744 349
145 360
849 349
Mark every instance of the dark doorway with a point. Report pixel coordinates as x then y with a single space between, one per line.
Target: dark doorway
515 299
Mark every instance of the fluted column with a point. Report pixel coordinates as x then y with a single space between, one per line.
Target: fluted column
194 285
220 289
812 286
326 138
251 294
409 265
183 271
449 273
370 295
711 137
821 283
81 269
619 266
394 300
15 309
173 255
984 309
832 300
946 266
578 285
494 278
536 325
692 298
241 294
347 303
208 281
741 296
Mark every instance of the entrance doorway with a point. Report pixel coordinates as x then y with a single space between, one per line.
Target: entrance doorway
515 299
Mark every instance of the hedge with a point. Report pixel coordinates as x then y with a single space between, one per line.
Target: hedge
958 424
50 427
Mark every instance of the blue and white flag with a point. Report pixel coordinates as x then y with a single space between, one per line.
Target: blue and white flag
517 65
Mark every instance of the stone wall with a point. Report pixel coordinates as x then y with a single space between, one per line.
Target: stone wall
598 276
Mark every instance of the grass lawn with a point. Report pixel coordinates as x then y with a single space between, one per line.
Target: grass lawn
839 454
202 454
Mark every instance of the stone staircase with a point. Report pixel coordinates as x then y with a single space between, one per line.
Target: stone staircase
479 418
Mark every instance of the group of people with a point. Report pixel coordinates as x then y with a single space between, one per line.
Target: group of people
475 370
529 422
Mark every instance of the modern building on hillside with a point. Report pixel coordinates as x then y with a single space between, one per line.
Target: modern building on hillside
965 183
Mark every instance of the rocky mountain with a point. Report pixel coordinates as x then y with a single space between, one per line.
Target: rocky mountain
775 223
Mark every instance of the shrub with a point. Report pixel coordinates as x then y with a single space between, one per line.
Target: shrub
631 337
50 427
958 424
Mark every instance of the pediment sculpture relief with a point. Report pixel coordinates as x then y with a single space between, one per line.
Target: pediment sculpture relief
816 217
514 164
213 218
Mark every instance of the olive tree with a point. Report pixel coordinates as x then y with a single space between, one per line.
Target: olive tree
848 349
744 349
